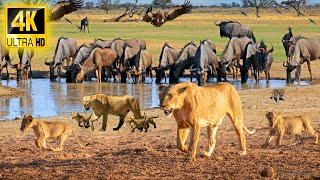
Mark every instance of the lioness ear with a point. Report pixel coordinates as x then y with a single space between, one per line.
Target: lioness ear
162 87
181 90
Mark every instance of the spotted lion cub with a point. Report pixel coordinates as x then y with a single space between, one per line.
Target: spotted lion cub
289 125
44 130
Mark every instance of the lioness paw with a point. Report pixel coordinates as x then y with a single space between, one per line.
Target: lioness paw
205 154
242 153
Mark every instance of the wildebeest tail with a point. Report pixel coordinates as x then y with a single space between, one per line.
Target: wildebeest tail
248 131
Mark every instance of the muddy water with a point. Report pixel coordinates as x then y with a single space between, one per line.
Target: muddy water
43 98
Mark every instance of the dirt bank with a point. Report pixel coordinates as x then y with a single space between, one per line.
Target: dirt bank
6 92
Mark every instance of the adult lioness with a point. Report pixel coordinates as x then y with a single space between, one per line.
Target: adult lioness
194 107
44 130
289 125
102 105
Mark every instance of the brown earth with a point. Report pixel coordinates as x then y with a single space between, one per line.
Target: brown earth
122 154
9 92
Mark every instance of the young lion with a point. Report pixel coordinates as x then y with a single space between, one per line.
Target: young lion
141 124
288 125
82 118
44 130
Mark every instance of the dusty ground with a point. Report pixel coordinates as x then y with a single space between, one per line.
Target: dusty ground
9 92
122 154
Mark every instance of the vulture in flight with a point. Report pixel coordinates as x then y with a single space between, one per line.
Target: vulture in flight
63 7
160 17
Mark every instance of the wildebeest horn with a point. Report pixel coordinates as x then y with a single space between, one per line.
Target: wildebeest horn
47 63
210 68
285 65
271 50
216 23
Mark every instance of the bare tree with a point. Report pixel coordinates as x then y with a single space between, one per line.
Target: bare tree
105 5
161 3
130 11
257 4
298 5
35 2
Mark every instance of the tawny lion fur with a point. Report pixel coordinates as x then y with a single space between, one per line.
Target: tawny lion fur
289 125
102 105
82 118
194 107
44 130
141 123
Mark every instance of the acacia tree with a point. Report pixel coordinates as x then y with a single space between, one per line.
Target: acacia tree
257 4
298 5
161 3
105 5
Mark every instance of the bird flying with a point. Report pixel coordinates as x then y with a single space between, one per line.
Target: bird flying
63 7
312 21
160 17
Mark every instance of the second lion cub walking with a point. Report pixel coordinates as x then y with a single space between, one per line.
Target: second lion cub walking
289 125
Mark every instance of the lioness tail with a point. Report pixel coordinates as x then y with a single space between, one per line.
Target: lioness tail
248 131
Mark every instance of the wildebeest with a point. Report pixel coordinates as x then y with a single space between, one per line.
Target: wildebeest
66 48
205 61
286 42
87 68
103 58
185 61
232 29
102 43
260 58
4 54
234 51
142 65
304 50
25 56
82 55
127 60
84 22
167 57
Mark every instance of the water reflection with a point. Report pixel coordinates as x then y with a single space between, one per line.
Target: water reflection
43 98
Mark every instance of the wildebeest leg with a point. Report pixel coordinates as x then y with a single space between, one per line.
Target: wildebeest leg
30 71
121 121
309 68
7 71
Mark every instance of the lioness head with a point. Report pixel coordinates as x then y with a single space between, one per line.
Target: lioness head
87 102
74 115
27 122
171 98
272 117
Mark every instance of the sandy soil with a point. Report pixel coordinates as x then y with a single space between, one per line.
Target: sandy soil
9 92
122 154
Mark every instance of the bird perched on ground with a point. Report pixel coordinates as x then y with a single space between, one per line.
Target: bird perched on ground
244 13
312 21
158 18
278 11
277 95
63 7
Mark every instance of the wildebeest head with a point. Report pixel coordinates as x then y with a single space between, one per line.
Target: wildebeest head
54 69
243 71
72 73
163 63
261 56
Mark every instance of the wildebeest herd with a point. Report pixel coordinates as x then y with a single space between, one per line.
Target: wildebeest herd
130 58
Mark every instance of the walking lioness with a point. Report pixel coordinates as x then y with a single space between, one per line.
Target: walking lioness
194 107
289 125
102 105
44 130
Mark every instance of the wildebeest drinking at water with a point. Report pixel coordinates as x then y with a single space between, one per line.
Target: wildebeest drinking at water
206 61
286 42
142 65
25 56
4 54
66 48
304 50
167 57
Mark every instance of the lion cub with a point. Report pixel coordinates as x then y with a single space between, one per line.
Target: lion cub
289 125
44 130
82 118
141 124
